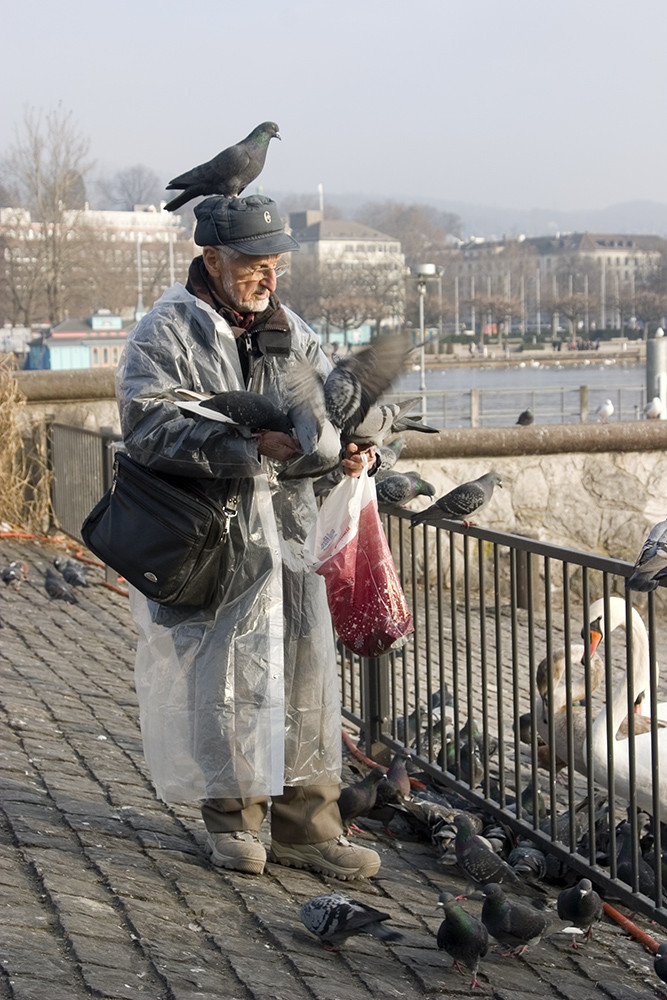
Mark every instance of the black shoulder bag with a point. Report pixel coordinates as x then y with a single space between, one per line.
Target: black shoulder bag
162 533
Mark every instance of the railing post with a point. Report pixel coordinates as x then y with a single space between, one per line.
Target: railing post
474 407
527 579
375 695
583 403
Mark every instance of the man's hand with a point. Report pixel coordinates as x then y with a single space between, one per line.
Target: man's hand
278 446
353 463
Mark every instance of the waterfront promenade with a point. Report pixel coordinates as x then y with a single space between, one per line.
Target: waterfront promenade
108 892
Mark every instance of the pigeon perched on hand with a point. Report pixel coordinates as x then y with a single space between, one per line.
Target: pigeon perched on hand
513 924
357 799
481 865
328 417
526 418
462 936
72 573
228 173
460 503
581 906
651 565
399 488
333 917
57 589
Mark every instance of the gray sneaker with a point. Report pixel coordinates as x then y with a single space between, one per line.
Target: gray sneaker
338 858
241 851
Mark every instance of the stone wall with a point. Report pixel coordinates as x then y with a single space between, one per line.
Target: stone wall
595 487
589 486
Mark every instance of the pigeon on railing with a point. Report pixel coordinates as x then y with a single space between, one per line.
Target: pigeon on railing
651 565
461 502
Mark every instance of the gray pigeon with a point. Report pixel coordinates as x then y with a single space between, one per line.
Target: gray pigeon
333 917
526 418
513 924
651 565
390 453
399 488
249 409
481 865
345 408
228 173
57 589
357 799
460 503
396 787
14 574
72 573
462 936
581 906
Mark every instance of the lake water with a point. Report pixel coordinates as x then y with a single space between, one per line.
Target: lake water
552 391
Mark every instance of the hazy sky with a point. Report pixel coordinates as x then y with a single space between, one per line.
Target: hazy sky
512 103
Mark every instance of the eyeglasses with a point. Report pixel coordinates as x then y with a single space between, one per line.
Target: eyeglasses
263 271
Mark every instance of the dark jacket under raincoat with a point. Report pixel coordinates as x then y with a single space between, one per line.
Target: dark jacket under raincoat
241 698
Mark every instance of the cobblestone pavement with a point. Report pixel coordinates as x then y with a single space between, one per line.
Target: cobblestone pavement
107 892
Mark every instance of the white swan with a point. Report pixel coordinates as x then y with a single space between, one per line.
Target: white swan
643 782
578 712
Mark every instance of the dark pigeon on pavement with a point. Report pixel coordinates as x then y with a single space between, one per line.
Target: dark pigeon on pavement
581 906
526 418
14 574
660 963
57 589
333 917
72 573
400 488
481 865
461 502
513 924
462 936
228 173
396 788
359 798
651 565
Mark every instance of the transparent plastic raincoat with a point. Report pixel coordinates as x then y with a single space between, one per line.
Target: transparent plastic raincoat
241 698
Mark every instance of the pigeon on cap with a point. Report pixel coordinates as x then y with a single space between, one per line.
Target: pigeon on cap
229 172
250 225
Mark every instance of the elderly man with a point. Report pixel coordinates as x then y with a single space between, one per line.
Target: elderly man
239 701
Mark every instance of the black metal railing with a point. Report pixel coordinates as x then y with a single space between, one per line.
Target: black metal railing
490 609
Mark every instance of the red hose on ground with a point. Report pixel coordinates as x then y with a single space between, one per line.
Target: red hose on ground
649 942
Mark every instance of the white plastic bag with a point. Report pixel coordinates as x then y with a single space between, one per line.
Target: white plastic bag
348 547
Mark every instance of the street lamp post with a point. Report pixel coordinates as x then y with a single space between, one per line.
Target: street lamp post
424 272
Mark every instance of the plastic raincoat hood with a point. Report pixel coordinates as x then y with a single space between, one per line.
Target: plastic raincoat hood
242 697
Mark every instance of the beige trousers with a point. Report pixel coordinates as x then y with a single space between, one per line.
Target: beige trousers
303 814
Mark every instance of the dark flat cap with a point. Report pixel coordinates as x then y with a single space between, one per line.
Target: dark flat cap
250 225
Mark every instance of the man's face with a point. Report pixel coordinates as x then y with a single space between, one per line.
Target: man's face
244 282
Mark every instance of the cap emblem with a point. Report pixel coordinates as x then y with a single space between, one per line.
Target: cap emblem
267 218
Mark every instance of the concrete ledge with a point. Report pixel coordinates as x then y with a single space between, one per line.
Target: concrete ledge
71 385
551 439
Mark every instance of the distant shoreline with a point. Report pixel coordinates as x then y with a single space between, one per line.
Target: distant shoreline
634 353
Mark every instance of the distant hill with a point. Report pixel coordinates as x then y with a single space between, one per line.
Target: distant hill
638 217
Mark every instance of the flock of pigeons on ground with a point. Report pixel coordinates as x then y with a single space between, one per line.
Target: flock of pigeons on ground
516 911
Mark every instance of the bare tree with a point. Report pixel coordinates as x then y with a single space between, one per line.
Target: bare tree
45 172
137 185
423 231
